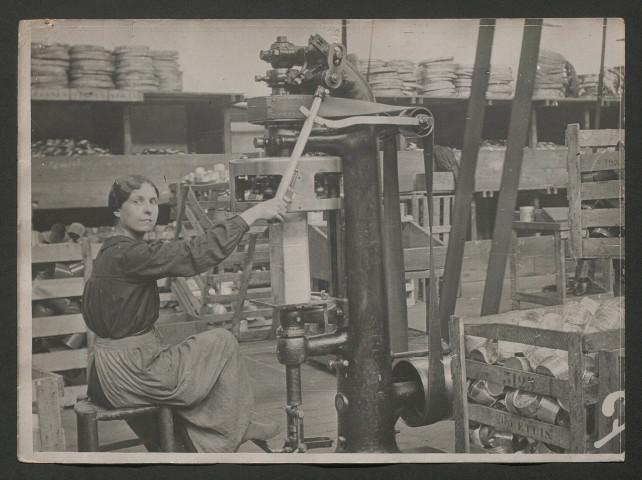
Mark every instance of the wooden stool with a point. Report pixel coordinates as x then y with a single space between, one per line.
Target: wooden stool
88 414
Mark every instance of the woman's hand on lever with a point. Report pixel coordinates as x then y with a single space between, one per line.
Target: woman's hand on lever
270 210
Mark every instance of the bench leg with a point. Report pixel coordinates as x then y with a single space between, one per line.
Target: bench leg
87 425
166 428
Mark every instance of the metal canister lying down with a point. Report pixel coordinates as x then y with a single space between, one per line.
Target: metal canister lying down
484 393
416 412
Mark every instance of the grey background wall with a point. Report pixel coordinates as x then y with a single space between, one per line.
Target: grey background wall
223 55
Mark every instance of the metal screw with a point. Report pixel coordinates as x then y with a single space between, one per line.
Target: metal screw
334 77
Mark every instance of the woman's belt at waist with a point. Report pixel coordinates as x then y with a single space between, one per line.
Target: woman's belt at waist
133 341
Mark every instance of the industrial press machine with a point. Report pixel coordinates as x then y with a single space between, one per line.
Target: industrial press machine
321 153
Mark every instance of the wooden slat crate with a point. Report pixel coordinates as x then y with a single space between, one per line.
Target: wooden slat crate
578 394
416 205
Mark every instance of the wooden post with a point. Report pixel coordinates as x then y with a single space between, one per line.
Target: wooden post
560 266
574 199
48 389
237 307
577 395
514 270
466 180
127 130
608 373
458 368
520 111
532 137
226 122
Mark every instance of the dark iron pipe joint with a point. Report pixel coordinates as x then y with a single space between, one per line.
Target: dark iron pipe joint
326 343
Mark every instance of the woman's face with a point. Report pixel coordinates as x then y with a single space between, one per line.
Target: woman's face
139 213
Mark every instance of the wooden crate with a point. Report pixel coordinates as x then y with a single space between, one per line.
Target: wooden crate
574 391
416 205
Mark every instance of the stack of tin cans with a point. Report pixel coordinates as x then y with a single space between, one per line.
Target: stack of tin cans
91 67
382 77
135 68
49 65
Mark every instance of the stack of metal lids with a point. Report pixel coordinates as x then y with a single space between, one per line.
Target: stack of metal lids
463 80
551 76
91 67
382 77
49 65
134 68
406 71
436 76
165 63
499 82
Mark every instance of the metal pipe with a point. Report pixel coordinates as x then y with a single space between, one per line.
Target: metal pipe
326 343
293 385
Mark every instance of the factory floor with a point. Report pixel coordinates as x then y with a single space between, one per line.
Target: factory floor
319 389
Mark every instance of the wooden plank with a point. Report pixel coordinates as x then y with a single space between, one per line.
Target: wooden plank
50 94
603 247
539 226
71 395
59 361
237 305
573 194
125 96
518 125
261 256
526 427
57 288
577 400
58 325
167 297
257 277
598 190
61 252
610 381
51 434
88 95
514 333
600 138
460 389
592 162
603 217
611 339
255 293
539 298
531 382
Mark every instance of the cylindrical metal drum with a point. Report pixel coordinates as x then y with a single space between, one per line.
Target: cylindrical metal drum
415 413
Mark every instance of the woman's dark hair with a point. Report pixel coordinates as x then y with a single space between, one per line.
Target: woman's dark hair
123 187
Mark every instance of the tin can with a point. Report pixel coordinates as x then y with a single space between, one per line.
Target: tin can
527 214
518 363
527 403
553 366
484 354
478 393
509 402
609 316
547 410
563 418
473 435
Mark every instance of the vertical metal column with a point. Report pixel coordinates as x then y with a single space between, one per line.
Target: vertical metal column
517 132
367 424
393 249
466 181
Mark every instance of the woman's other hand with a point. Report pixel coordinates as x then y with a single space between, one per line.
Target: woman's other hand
270 210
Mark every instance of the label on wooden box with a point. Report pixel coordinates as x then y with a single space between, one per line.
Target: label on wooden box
84 94
50 94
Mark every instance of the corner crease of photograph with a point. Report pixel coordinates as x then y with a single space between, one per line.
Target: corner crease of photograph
321 241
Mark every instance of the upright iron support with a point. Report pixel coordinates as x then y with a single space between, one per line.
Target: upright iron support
466 181
517 131
393 249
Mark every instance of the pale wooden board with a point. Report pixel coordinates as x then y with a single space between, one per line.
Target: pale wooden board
603 247
58 325
598 190
58 288
602 217
59 361
600 138
61 252
591 162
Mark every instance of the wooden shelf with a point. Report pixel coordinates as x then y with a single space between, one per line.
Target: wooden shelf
496 100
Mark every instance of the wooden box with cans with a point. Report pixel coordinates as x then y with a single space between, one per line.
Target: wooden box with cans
546 380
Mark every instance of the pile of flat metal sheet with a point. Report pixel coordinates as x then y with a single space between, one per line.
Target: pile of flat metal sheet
436 76
135 68
91 67
166 70
49 65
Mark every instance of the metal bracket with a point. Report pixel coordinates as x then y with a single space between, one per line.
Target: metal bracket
423 123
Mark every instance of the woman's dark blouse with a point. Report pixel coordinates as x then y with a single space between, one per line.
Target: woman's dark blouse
121 296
